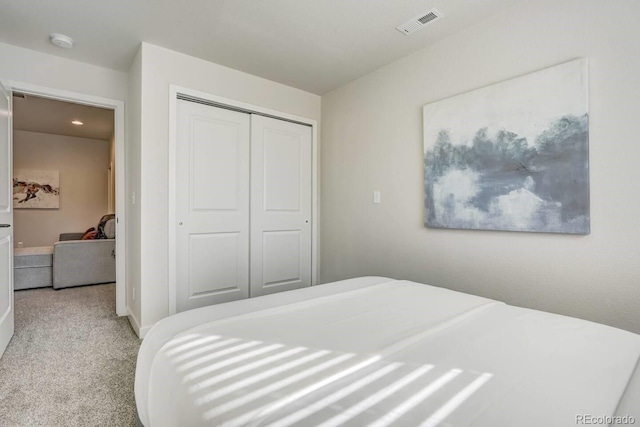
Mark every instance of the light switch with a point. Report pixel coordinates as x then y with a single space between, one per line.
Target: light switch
376 197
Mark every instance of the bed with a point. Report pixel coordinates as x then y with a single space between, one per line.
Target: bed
373 351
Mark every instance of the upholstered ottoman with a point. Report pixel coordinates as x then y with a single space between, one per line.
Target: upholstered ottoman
32 267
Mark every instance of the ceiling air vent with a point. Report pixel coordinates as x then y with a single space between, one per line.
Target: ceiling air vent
419 21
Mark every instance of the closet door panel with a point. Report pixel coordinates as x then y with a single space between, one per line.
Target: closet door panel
281 258
216 169
212 212
281 166
280 205
213 265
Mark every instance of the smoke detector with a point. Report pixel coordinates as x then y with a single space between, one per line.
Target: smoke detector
417 22
61 40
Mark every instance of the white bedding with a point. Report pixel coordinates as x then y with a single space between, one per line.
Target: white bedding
380 352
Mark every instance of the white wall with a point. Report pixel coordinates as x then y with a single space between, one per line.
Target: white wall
133 164
372 140
28 66
161 67
82 164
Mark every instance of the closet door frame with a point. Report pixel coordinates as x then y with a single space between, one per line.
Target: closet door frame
174 92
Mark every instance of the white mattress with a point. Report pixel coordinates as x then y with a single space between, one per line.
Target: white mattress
380 352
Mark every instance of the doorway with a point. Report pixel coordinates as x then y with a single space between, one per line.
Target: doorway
108 188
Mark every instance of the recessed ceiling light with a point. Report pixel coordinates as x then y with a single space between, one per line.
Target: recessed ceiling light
61 40
77 123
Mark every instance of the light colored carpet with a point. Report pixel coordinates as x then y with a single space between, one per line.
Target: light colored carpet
71 361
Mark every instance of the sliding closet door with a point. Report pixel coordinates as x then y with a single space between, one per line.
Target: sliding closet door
212 169
280 205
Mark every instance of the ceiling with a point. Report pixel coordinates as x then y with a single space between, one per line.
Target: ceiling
43 115
316 46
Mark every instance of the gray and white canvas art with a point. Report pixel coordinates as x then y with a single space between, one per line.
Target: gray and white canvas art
512 156
36 189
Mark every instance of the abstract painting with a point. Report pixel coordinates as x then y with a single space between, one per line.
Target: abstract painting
36 189
512 156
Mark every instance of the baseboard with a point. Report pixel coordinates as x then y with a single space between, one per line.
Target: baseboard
144 330
134 322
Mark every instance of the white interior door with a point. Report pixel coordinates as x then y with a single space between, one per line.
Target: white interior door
6 222
212 212
281 171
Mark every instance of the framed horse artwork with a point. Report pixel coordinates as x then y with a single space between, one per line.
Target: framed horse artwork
36 189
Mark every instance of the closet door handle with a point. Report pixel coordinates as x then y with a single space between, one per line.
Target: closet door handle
5 225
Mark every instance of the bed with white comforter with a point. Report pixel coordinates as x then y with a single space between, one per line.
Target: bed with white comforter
379 352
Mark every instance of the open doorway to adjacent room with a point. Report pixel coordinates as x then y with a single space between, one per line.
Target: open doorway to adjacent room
64 194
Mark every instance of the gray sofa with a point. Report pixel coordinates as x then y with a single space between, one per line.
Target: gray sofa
83 262
71 261
32 267
79 262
